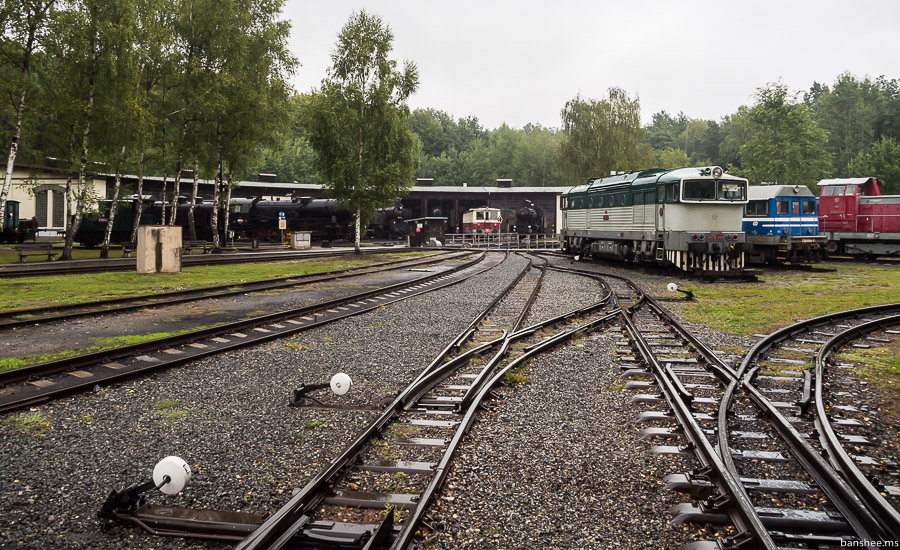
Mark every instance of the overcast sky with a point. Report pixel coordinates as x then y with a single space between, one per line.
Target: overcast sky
520 61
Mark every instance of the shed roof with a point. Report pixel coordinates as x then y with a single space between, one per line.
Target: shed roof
758 192
844 181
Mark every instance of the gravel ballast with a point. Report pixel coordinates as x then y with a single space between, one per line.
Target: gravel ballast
557 464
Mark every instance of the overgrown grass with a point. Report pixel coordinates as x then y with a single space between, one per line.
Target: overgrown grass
98 344
35 424
879 365
785 297
27 292
169 411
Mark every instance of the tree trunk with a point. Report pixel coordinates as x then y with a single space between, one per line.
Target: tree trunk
227 210
81 193
104 249
358 218
176 187
214 216
139 208
192 227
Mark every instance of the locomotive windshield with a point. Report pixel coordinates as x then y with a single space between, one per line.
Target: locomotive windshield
710 190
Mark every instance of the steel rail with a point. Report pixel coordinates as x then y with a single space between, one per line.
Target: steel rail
743 513
99 307
404 540
61 365
40 269
275 532
286 522
886 515
841 495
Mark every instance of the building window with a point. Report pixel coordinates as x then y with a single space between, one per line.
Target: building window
59 209
40 205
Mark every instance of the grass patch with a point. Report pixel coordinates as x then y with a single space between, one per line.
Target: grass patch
28 292
510 377
785 297
100 344
879 365
313 424
169 411
35 424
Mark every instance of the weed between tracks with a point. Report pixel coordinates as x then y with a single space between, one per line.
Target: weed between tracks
35 424
46 291
879 365
100 344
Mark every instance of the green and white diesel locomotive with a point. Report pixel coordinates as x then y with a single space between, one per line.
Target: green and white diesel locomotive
688 217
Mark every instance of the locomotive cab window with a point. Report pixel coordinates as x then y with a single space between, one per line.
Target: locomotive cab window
809 207
479 216
758 208
699 190
731 191
781 206
833 190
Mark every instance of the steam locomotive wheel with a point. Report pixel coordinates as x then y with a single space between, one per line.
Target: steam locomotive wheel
273 234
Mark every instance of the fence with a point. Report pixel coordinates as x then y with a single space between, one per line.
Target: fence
504 241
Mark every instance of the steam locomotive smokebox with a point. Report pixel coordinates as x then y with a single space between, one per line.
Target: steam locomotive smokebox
159 249
422 230
300 240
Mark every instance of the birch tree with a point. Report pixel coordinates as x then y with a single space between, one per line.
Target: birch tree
357 120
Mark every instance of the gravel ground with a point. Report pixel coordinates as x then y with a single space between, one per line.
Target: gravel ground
556 465
226 416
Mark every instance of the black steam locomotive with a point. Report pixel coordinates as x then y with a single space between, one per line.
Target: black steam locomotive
248 218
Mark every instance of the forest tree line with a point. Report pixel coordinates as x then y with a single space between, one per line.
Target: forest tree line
848 129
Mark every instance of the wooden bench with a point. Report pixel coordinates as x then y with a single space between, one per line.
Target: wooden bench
189 246
128 249
44 249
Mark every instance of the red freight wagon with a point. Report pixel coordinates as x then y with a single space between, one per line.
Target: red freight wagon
857 219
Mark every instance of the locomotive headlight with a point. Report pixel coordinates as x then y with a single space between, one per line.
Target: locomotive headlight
716 172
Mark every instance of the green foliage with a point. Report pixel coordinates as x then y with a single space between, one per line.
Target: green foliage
357 121
882 160
783 144
602 136
35 424
848 113
672 158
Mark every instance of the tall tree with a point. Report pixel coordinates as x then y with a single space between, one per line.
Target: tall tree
784 144
26 22
602 136
882 160
357 121
848 113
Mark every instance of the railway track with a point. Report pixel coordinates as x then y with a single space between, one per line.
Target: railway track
35 269
760 477
352 503
25 317
37 383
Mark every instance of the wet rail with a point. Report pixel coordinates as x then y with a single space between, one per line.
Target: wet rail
36 383
25 317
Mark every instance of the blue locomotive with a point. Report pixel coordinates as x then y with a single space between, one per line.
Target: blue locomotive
782 225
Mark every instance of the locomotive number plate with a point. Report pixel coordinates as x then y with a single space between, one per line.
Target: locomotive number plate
715 237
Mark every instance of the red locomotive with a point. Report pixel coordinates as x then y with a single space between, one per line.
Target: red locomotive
857 219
